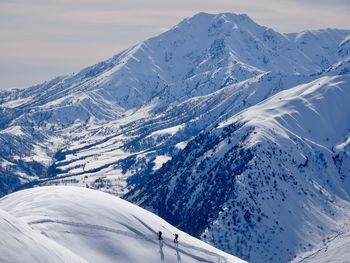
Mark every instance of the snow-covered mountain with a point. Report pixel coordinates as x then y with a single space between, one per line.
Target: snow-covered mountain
267 184
71 224
212 79
118 118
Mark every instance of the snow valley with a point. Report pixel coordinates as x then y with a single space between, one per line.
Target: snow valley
230 131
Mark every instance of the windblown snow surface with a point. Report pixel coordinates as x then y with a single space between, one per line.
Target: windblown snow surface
71 224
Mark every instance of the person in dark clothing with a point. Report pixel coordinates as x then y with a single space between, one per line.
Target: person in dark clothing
160 235
176 241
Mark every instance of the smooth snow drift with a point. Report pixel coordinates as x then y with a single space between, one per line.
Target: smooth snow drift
93 225
20 243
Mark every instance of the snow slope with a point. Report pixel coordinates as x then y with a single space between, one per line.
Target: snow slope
334 250
96 226
20 243
268 184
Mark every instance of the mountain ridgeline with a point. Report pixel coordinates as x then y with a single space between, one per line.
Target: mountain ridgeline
261 181
229 130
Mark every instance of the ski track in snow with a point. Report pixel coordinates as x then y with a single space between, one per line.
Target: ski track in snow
343 233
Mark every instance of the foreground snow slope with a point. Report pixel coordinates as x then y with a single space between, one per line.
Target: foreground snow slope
103 228
20 243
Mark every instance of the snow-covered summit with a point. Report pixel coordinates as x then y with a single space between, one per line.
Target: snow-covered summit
224 21
196 47
86 225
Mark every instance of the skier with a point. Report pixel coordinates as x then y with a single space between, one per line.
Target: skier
160 235
176 241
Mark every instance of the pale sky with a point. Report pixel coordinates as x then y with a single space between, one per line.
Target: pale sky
42 39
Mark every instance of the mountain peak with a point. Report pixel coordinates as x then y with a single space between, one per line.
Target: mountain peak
207 19
227 15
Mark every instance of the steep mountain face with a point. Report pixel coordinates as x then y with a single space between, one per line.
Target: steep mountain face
267 184
113 124
71 224
209 117
134 150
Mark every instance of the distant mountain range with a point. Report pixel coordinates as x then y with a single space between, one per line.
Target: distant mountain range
229 130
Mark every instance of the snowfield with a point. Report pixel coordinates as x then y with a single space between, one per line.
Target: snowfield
71 224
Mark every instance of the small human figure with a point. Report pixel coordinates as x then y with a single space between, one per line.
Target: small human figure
160 235
176 241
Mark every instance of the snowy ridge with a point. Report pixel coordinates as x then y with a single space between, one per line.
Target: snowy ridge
267 184
94 225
